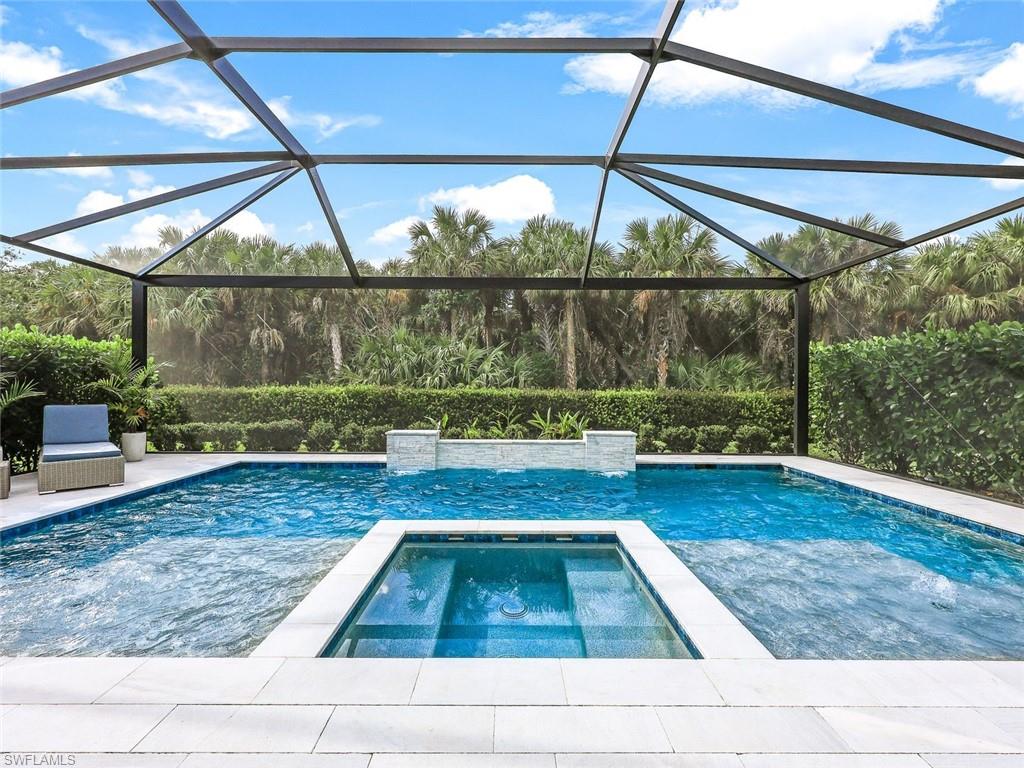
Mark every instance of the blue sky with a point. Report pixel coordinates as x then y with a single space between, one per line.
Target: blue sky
961 60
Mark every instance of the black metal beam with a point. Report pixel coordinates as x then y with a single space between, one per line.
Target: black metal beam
190 32
801 368
140 322
149 202
42 249
94 161
971 170
332 221
974 170
96 74
708 222
827 93
638 46
764 205
977 218
203 231
666 23
476 283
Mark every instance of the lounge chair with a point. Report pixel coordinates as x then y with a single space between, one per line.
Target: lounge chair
77 452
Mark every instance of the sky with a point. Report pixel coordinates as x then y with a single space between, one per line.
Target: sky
959 59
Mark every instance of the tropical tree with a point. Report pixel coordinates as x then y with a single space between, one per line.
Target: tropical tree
674 246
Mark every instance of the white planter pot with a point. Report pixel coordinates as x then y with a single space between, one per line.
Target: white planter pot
133 445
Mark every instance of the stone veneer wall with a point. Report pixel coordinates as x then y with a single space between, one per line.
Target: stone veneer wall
598 452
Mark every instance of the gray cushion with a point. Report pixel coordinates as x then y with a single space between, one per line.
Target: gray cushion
75 451
75 424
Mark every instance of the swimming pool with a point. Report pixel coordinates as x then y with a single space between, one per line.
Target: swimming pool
539 600
210 567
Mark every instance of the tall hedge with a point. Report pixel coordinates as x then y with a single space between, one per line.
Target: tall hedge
62 367
399 407
943 405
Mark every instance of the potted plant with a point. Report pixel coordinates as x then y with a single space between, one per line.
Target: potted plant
9 395
133 389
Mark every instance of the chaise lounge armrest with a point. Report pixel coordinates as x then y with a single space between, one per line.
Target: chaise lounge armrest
78 451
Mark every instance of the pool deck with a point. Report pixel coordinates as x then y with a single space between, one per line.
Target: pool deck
290 712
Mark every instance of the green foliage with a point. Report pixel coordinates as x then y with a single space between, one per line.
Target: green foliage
567 425
279 435
131 388
943 405
62 367
751 438
712 438
733 373
322 435
681 439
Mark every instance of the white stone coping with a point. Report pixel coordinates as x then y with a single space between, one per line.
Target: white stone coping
709 624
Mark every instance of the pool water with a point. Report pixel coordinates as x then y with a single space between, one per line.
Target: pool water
209 568
521 600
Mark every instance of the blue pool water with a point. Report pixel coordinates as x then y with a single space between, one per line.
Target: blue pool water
209 568
521 600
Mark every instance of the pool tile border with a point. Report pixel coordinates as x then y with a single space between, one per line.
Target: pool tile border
312 625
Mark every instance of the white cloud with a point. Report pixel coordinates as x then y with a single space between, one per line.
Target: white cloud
137 193
548 24
307 227
139 178
830 42
67 243
393 232
1009 183
97 200
193 108
326 126
513 199
146 232
1004 82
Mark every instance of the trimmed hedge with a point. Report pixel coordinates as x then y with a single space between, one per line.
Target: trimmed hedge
360 415
943 405
62 367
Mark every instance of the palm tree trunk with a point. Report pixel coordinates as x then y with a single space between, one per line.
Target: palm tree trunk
570 343
488 321
335 335
663 364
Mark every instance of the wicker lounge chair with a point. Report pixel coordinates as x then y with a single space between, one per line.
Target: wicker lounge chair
77 452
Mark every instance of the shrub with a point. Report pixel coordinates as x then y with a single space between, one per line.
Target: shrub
321 435
712 438
280 435
751 438
944 405
680 439
647 439
63 368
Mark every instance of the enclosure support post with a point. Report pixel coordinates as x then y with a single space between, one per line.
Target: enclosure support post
140 333
801 379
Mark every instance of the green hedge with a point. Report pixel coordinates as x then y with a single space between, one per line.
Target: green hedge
60 366
361 415
943 405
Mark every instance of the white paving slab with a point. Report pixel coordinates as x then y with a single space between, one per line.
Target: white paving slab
973 761
101 760
222 728
578 729
795 683
489 681
918 729
749 729
341 681
648 761
462 761
833 761
409 729
637 681
193 681
207 760
62 680
78 727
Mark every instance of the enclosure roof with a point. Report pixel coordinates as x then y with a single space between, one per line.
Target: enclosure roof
295 159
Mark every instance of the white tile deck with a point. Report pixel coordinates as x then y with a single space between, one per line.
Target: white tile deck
576 713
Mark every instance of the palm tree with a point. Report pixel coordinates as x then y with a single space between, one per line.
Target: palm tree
675 245
557 248
451 244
